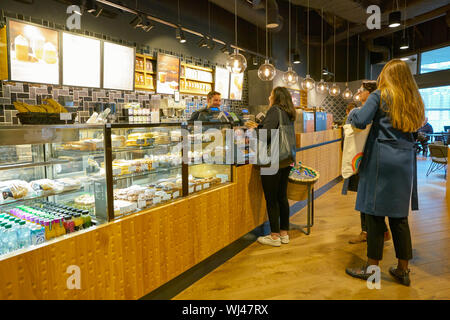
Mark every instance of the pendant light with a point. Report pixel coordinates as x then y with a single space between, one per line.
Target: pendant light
290 77
357 95
266 71
347 94
308 83
404 44
179 34
322 86
395 17
236 62
296 58
334 89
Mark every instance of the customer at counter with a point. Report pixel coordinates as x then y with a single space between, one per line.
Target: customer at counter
367 87
423 137
213 100
275 186
388 170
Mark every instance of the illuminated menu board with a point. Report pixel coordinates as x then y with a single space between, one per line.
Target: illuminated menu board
236 85
168 74
222 82
118 67
33 53
81 61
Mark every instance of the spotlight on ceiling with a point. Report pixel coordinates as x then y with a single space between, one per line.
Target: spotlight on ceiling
296 58
146 24
180 35
203 42
395 19
90 6
404 44
136 22
226 49
211 43
272 14
404 59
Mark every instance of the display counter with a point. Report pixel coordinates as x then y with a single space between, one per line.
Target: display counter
448 183
322 151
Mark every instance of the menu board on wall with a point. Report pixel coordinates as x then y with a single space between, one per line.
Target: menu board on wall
118 67
168 74
222 82
236 84
81 61
33 53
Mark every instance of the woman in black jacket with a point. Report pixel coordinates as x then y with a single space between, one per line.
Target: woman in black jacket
275 186
387 176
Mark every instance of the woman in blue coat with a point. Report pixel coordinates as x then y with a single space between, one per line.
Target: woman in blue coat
388 169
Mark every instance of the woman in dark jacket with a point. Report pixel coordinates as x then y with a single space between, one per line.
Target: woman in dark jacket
388 169
275 186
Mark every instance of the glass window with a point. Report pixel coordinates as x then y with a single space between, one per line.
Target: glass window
435 60
437 106
411 61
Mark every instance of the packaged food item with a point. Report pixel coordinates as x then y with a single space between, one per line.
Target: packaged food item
15 189
85 201
46 186
68 184
118 141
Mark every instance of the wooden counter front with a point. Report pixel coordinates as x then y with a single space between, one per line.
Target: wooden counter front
130 257
325 158
448 181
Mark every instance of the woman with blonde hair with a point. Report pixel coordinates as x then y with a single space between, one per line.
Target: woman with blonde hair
387 176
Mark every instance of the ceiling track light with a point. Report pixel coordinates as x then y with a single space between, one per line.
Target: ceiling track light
180 35
136 22
296 58
226 49
211 43
147 25
203 42
395 19
90 6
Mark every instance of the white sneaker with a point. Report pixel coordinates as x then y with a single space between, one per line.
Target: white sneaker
284 239
269 241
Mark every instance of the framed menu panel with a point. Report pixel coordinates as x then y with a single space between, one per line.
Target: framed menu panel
33 53
118 66
295 94
168 74
222 82
81 61
236 84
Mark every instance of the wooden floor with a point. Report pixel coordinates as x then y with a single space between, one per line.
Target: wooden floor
313 267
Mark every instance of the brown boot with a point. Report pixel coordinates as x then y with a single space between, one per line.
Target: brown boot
362 237
387 236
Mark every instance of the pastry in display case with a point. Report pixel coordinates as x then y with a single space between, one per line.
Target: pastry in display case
51 183
207 157
147 170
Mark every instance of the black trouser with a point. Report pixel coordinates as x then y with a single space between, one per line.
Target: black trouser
364 225
400 235
275 192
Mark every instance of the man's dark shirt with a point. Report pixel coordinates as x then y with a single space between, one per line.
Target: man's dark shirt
204 114
427 128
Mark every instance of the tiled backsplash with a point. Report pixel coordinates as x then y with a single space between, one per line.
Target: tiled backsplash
83 98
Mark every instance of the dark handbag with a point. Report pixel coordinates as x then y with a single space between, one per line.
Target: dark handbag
287 140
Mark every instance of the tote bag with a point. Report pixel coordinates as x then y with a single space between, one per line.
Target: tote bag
286 145
354 143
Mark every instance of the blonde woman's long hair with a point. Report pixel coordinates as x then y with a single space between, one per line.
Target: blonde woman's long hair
400 93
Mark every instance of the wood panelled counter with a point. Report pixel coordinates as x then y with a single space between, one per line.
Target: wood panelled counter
322 152
448 181
130 257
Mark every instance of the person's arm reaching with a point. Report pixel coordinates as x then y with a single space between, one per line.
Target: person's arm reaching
360 118
270 121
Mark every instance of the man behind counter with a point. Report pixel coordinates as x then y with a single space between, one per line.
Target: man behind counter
214 101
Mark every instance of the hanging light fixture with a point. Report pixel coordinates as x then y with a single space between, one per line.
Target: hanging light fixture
290 77
334 89
272 21
179 34
347 94
236 62
357 95
404 43
395 17
266 71
296 58
308 83
322 86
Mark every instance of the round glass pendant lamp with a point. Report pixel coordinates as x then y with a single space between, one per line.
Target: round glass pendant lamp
266 71
322 86
236 62
347 94
334 90
308 83
357 97
290 77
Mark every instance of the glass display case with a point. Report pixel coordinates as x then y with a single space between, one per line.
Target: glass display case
51 182
210 155
146 166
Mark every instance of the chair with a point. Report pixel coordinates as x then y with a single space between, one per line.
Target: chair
439 160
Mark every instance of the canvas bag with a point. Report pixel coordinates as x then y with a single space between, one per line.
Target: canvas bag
353 152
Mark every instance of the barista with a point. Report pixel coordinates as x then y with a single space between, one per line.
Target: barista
214 101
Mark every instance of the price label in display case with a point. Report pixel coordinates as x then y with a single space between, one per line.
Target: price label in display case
100 199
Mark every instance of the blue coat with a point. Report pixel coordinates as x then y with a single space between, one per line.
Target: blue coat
388 170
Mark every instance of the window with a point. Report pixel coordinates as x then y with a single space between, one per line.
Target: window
435 60
437 106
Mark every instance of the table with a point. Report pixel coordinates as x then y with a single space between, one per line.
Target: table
445 135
